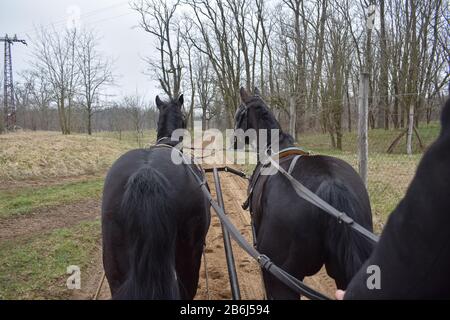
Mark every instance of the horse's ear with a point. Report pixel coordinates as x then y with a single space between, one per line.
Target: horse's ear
257 92
180 100
159 103
244 94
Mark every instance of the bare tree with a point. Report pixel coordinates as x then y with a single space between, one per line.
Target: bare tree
95 74
216 37
384 83
135 106
337 47
54 54
205 88
157 17
189 52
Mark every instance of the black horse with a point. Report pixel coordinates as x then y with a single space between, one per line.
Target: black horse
153 233
295 234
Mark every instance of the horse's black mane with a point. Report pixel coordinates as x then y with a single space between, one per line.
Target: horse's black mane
267 117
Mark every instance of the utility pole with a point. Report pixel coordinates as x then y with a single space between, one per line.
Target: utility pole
363 101
8 89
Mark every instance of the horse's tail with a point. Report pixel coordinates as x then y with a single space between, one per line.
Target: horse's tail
347 248
151 231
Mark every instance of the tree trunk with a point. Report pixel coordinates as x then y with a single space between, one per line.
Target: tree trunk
338 126
349 112
315 88
89 121
292 117
410 130
204 124
384 85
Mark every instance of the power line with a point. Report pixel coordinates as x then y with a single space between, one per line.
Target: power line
55 30
61 23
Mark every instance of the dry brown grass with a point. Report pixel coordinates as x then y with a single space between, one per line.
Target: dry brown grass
36 155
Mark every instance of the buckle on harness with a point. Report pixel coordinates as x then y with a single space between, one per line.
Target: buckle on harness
265 262
344 218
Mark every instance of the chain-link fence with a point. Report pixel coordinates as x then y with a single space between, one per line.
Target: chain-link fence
390 168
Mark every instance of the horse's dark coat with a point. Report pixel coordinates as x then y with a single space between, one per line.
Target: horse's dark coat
414 249
295 234
153 233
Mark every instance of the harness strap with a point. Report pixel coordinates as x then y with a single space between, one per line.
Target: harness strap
193 160
247 202
293 163
281 154
311 197
290 151
161 139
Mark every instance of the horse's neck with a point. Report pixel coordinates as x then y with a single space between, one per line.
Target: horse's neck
165 136
283 139
163 131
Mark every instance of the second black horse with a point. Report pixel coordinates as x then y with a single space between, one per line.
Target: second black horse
295 234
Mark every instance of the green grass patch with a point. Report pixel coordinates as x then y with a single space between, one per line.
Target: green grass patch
379 140
37 268
26 200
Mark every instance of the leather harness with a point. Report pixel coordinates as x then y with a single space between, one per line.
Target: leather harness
283 155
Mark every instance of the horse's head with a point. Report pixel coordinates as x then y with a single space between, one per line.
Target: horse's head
252 113
171 118
248 114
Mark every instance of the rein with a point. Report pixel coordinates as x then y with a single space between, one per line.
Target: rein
306 194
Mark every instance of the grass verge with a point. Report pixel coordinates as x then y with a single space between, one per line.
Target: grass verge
26 200
36 269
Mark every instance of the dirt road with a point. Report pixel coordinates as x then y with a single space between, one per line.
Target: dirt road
249 276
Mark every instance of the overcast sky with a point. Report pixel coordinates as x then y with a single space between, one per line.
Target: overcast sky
113 20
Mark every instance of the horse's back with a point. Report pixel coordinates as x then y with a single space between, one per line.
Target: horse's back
314 172
188 207
292 229
179 178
